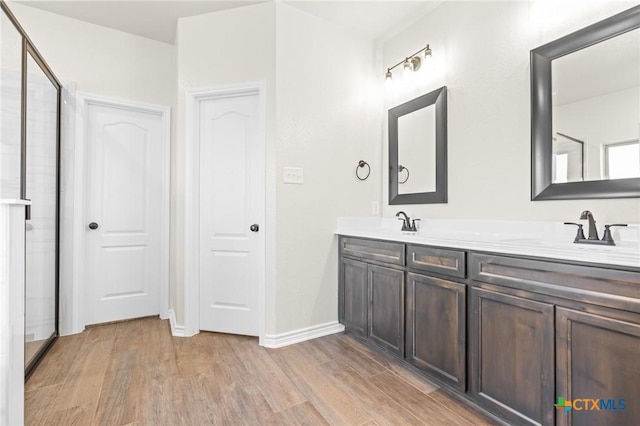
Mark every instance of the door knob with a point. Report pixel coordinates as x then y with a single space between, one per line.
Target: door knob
254 227
93 225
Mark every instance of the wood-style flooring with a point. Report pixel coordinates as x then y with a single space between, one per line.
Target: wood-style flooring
136 373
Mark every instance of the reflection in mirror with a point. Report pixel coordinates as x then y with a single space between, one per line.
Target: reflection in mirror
416 148
585 112
568 159
596 99
622 160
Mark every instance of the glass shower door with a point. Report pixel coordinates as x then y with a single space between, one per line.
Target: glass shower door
42 225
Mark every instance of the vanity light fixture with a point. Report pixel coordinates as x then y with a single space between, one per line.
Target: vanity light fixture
410 63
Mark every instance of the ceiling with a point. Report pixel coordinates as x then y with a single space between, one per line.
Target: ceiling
157 19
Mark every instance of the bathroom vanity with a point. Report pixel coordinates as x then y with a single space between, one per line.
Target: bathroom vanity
508 322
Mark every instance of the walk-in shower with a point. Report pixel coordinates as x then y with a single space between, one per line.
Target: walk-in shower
29 170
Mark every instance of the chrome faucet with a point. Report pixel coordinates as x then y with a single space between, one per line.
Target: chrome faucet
593 232
408 225
607 238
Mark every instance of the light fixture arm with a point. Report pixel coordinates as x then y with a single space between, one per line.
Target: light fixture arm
408 58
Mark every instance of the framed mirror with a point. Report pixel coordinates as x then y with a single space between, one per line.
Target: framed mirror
585 112
418 150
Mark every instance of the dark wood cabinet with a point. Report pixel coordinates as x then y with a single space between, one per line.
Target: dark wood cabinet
508 333
512 364
354 297
598 369
372 294
436 327
386 308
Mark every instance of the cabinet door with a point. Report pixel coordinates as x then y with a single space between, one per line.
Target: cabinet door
436 327
598 358
354 299
386 309
512 368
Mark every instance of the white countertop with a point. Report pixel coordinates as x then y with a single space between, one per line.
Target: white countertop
552 240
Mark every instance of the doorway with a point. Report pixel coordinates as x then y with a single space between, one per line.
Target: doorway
225 247
123 231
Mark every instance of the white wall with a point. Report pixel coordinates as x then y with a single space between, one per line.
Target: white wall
12 278
481 52
101 60
328 118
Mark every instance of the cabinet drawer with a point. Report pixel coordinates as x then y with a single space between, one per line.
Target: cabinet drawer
381 251
442 261
598 285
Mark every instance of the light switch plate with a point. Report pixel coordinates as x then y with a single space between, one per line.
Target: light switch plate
293 175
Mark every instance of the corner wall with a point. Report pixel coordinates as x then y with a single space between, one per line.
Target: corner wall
328 118
215 50
481 52
323 114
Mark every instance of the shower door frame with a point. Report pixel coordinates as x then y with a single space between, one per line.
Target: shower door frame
28 48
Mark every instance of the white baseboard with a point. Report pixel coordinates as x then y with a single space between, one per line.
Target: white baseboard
296 336
176 330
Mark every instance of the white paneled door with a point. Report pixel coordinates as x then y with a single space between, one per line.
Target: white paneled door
230 207
124 168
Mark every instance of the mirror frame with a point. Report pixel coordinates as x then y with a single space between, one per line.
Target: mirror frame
438 98
542 188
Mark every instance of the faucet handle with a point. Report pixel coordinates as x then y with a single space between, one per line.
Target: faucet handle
607 233
405 225
413 225
579 234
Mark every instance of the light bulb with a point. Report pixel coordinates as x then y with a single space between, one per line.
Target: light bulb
427 52
415 63
389 76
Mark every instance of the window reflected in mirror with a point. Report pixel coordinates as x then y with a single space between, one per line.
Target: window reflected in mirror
622 160
596 111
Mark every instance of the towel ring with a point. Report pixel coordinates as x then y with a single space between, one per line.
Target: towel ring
400 170
361 164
